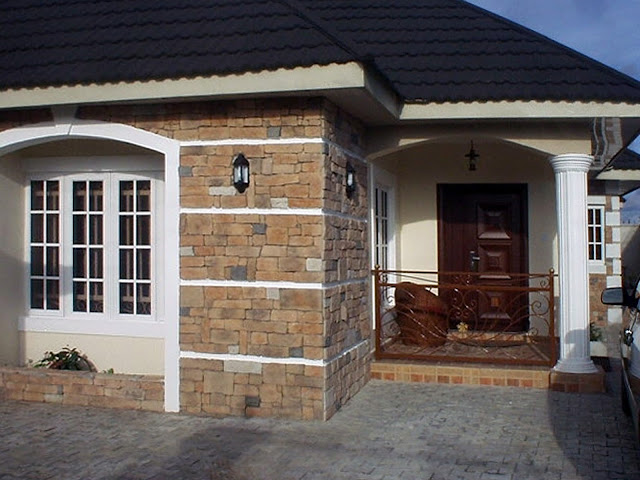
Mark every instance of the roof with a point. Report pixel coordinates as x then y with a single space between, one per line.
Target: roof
627 159
425 50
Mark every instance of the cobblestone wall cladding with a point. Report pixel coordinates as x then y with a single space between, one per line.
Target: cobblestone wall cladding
315 325
251 247
18 118
134 392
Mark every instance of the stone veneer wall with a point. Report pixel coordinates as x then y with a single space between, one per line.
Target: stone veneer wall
274 306
133 392
609 274
274 302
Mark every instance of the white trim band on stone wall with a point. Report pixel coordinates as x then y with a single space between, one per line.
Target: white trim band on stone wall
320 212
230 357
273 284
251 141
271 141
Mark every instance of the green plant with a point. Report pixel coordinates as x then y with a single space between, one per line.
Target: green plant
595 333
66 359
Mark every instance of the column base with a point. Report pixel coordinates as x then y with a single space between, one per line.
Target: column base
593 382
575 365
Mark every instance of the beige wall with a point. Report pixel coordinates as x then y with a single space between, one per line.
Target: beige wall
11 258
551 137
135 355
420 169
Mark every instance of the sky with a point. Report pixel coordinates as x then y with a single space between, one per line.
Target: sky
605 30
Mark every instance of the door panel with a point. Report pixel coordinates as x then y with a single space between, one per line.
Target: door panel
482 228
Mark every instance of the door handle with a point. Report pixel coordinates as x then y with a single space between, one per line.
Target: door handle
474 261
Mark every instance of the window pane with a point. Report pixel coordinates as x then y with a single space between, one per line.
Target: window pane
79 196
79 263
126 264
126 298
37 195
53 195
126 196
53 262
37 228
143 265
143 304
79 229
52 228
79 297
143 233
126 230
95 230
37 261
53 295
144 196
37 294
96 195
96 263
97 298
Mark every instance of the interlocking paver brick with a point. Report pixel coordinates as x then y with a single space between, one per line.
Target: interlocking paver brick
388 431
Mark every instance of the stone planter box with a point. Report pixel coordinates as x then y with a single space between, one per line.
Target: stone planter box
134 392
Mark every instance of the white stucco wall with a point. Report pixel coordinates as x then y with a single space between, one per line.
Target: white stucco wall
11 258
134 355
419 171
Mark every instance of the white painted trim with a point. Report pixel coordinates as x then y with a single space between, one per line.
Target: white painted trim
65 128
316 78
321 212
269 360
252 141
597 267
516 109
272 141
88 326
593 200
268 284
251 358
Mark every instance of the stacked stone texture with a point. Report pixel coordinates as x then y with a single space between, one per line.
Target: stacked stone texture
328 328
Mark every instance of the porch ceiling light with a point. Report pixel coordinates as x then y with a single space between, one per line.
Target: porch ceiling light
351 180
240 173
472 156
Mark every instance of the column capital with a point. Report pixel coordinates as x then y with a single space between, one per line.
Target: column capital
571 162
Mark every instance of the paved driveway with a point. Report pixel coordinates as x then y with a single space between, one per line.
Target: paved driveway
389 431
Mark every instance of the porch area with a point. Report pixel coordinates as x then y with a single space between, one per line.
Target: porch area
470 328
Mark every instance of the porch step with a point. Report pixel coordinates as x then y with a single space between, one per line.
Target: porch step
463 374
478 374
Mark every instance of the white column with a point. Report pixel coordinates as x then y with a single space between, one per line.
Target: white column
571 204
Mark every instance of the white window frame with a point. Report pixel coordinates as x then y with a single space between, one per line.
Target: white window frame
595 203
383 180
112 170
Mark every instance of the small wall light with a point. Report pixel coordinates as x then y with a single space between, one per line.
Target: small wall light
240 173
472 156
351 180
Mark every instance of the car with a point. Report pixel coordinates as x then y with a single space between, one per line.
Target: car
629 350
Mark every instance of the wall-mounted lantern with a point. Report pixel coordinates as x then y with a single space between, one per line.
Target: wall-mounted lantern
240 173
473 157
350 180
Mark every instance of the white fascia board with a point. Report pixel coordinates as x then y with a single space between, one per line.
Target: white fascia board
619 175
282 81
516 109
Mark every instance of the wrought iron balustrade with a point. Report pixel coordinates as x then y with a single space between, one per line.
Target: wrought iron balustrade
465 317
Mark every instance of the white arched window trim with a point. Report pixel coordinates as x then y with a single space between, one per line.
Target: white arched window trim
71 128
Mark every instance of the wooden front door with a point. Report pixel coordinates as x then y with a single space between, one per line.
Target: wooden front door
483 228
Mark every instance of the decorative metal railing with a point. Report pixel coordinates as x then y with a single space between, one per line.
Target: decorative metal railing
465 317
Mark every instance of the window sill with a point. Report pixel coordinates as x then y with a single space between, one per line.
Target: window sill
91 326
